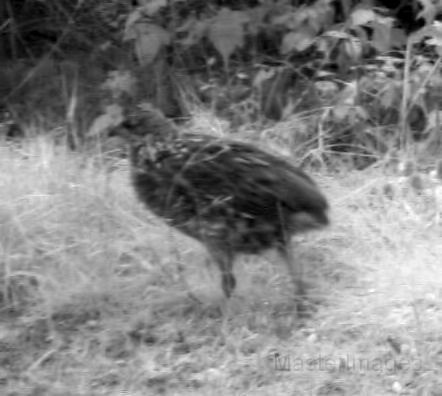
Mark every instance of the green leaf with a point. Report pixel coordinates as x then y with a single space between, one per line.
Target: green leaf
226 32
388 96
195 32
362 16
398 37
298 41
337 34
112 116
381 37
348 95
262 76
353 48
429 11
149 41
341 112
118 83
151 7
130 28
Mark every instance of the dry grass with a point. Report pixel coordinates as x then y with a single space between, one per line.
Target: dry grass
94 294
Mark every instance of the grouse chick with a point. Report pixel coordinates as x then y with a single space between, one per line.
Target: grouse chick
231 196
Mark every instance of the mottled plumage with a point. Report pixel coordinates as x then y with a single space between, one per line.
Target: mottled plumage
229 195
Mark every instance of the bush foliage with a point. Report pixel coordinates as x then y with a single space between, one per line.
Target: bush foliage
362 77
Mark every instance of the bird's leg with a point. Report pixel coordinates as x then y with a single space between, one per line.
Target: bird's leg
295 269
224 261
225 265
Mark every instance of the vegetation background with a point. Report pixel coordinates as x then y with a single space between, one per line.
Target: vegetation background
94 290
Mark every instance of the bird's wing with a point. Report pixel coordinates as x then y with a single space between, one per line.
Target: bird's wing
249 177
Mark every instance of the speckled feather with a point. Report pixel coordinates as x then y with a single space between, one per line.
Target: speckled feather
232 196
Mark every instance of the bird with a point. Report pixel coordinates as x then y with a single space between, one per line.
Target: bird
231 196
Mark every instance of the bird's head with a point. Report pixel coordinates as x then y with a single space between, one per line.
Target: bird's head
146 125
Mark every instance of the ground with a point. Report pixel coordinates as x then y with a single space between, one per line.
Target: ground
100 298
